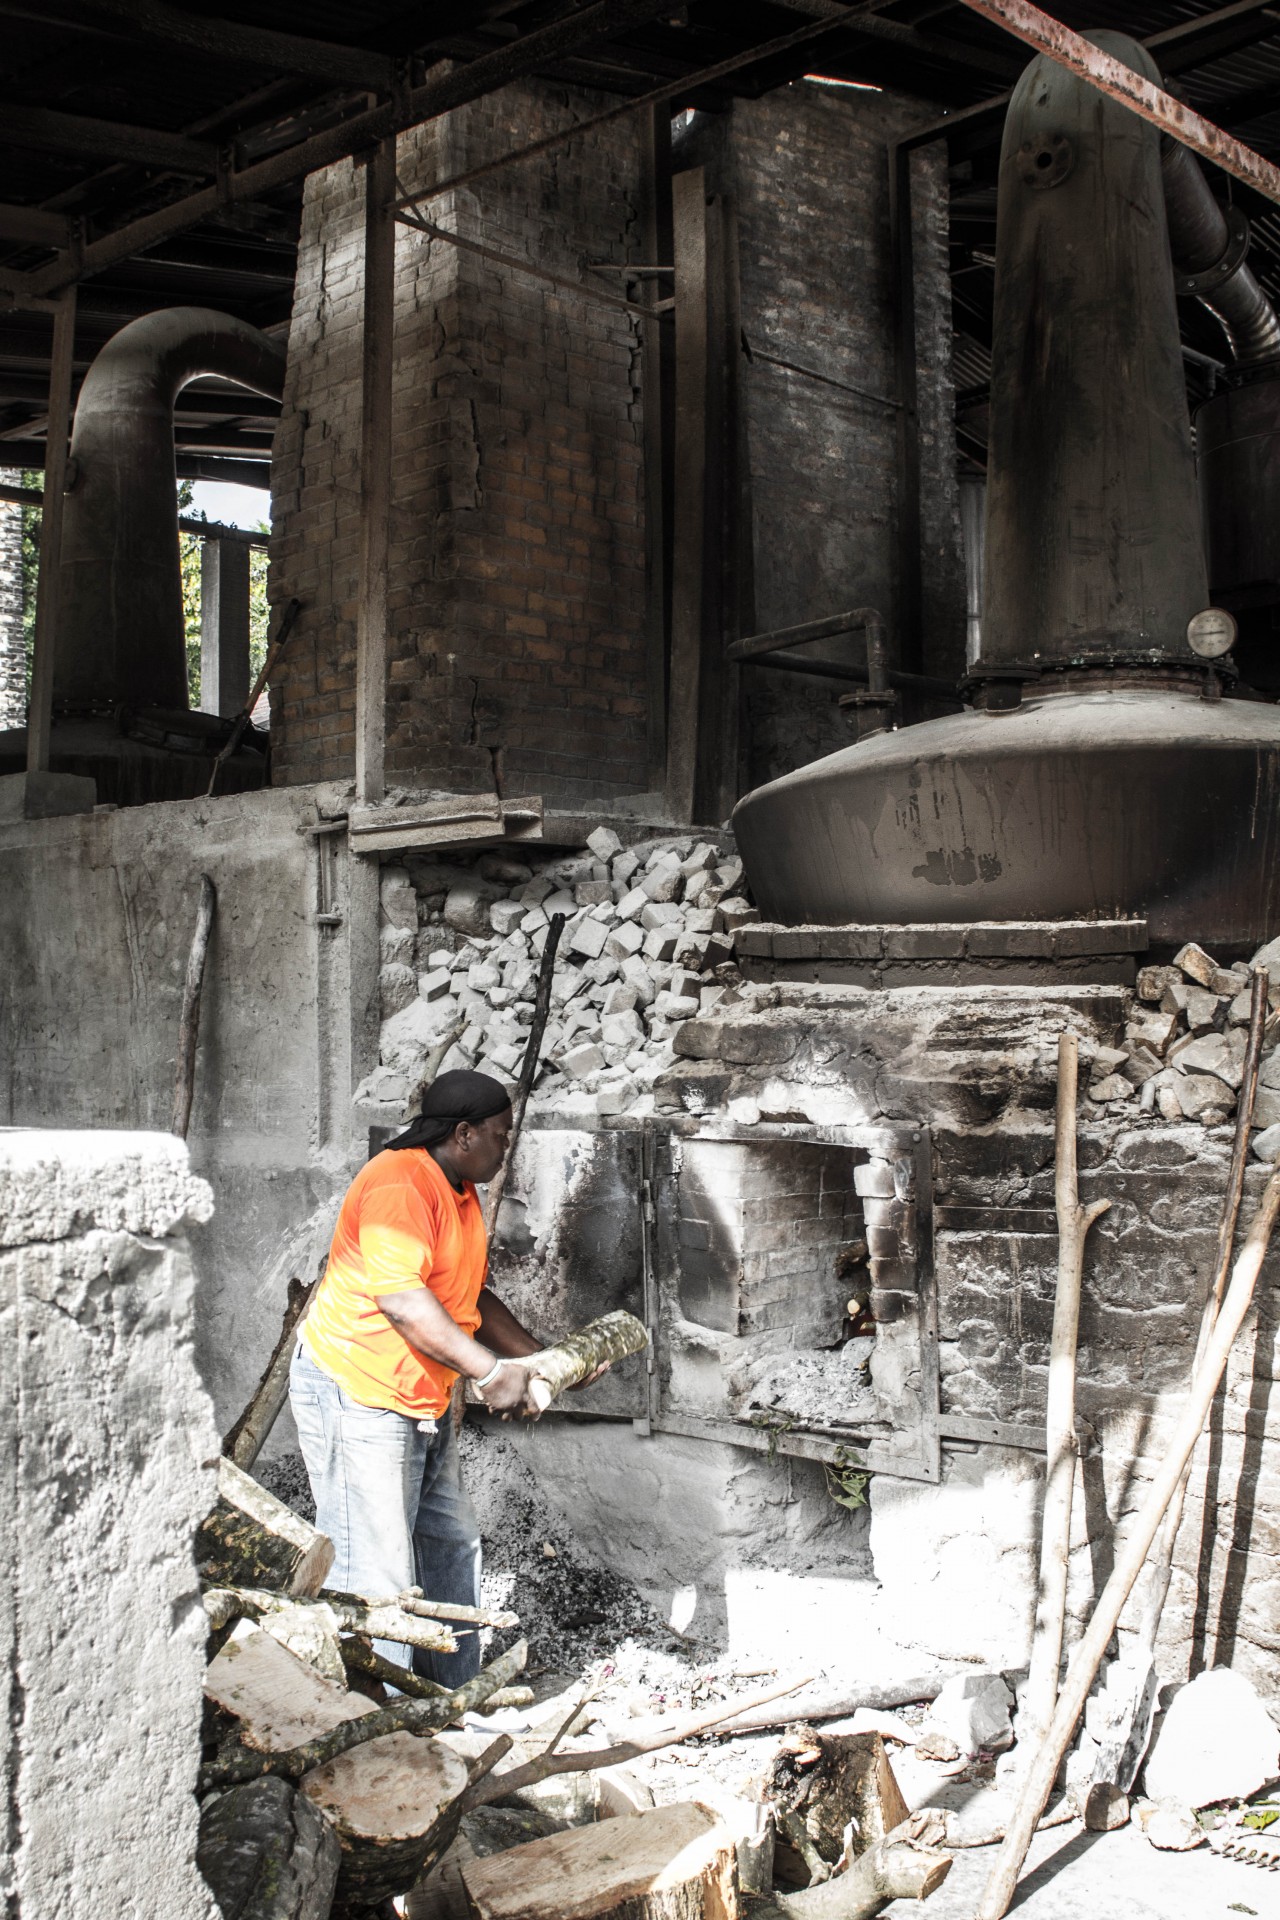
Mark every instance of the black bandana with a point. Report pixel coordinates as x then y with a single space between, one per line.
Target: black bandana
453 1097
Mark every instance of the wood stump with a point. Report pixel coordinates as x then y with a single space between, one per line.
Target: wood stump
820 1783
268 1854
670 1863
251 1539
390 1803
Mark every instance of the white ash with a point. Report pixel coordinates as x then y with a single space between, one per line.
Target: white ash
647 944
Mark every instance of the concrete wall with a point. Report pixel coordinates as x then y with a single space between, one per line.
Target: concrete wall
517 546
105 1436
99 911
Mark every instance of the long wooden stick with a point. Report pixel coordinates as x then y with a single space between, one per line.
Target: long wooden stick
245 1440
528 1067
1037 1783
1160 1566
292 609
1074 1222
189 1022
549 1763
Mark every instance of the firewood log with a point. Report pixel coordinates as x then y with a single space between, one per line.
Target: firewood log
268 1854
817 1785
670 1863
894 1869
557 1368
251 1539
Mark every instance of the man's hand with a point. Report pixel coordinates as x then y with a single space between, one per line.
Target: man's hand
508 1391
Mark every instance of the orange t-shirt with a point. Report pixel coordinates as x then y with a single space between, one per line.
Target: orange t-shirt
402 1225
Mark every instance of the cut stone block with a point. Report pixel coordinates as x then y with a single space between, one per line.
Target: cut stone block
1217 1742
660 943
604 843
588 937
1196 964
506 915
593 893
432 985
581 1062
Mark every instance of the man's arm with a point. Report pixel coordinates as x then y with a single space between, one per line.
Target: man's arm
423 1323
500 1329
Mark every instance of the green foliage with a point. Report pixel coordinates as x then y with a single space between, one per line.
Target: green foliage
30 566
846 1481
773 1424
189 547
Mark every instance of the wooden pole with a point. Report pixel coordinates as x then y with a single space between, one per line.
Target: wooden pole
49 580
189 1023
292 609
528 1067
245 1440
1037 1784
375 470
688 560
1074 1222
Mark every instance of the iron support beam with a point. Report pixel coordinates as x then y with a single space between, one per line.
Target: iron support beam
34 226
54 132
465 83
231 40
1118 82
40 709
375 470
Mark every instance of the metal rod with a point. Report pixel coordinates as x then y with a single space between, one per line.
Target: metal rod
757 643
831 670
1118 82
811 373
49 579
514 264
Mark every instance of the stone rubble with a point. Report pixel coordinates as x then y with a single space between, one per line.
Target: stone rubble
1184 1046
647 946
1216 1742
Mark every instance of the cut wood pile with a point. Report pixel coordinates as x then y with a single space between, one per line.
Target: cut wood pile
1184 1045
318 1798
647 944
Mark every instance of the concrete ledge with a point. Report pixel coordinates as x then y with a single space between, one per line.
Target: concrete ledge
986 953
59 1184
41 796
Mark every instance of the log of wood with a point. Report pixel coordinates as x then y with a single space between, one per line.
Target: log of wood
823 1706
268 1854
555 1369
817 1785
251 1539
899 1867
184 1078
359 1657
277 1699
669 1863
1037 1784
1074 1222
379 1622
245 1440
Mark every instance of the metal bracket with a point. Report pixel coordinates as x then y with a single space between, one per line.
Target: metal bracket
1194 286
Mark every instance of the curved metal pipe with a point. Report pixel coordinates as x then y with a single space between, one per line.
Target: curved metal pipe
1200 239
120 636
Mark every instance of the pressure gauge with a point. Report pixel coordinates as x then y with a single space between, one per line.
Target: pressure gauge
1211 633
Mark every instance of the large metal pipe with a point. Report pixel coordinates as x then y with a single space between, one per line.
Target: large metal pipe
120 635
1093 542
1208 258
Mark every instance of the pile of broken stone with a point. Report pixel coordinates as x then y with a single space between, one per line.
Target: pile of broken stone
1184 1046
647 944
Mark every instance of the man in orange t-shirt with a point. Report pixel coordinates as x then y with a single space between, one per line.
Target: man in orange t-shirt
393 1325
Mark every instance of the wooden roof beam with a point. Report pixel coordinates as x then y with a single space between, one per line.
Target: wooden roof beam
228 40
54 132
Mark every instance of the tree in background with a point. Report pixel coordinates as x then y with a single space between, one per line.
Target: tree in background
189 548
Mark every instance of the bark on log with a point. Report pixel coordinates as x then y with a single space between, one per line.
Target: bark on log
557 1368
359 1657
246 1439
374 1872
184 1079
827 1706
400 1716
669 1863
379 1622
817 1785
1033 1793
896 1868
251 1539
1074 1222
268 1854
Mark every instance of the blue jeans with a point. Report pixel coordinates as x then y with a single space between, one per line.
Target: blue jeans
391 1499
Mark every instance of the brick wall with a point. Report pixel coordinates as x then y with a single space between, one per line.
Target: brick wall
517 543
807 169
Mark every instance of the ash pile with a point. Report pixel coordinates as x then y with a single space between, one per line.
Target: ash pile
647 944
